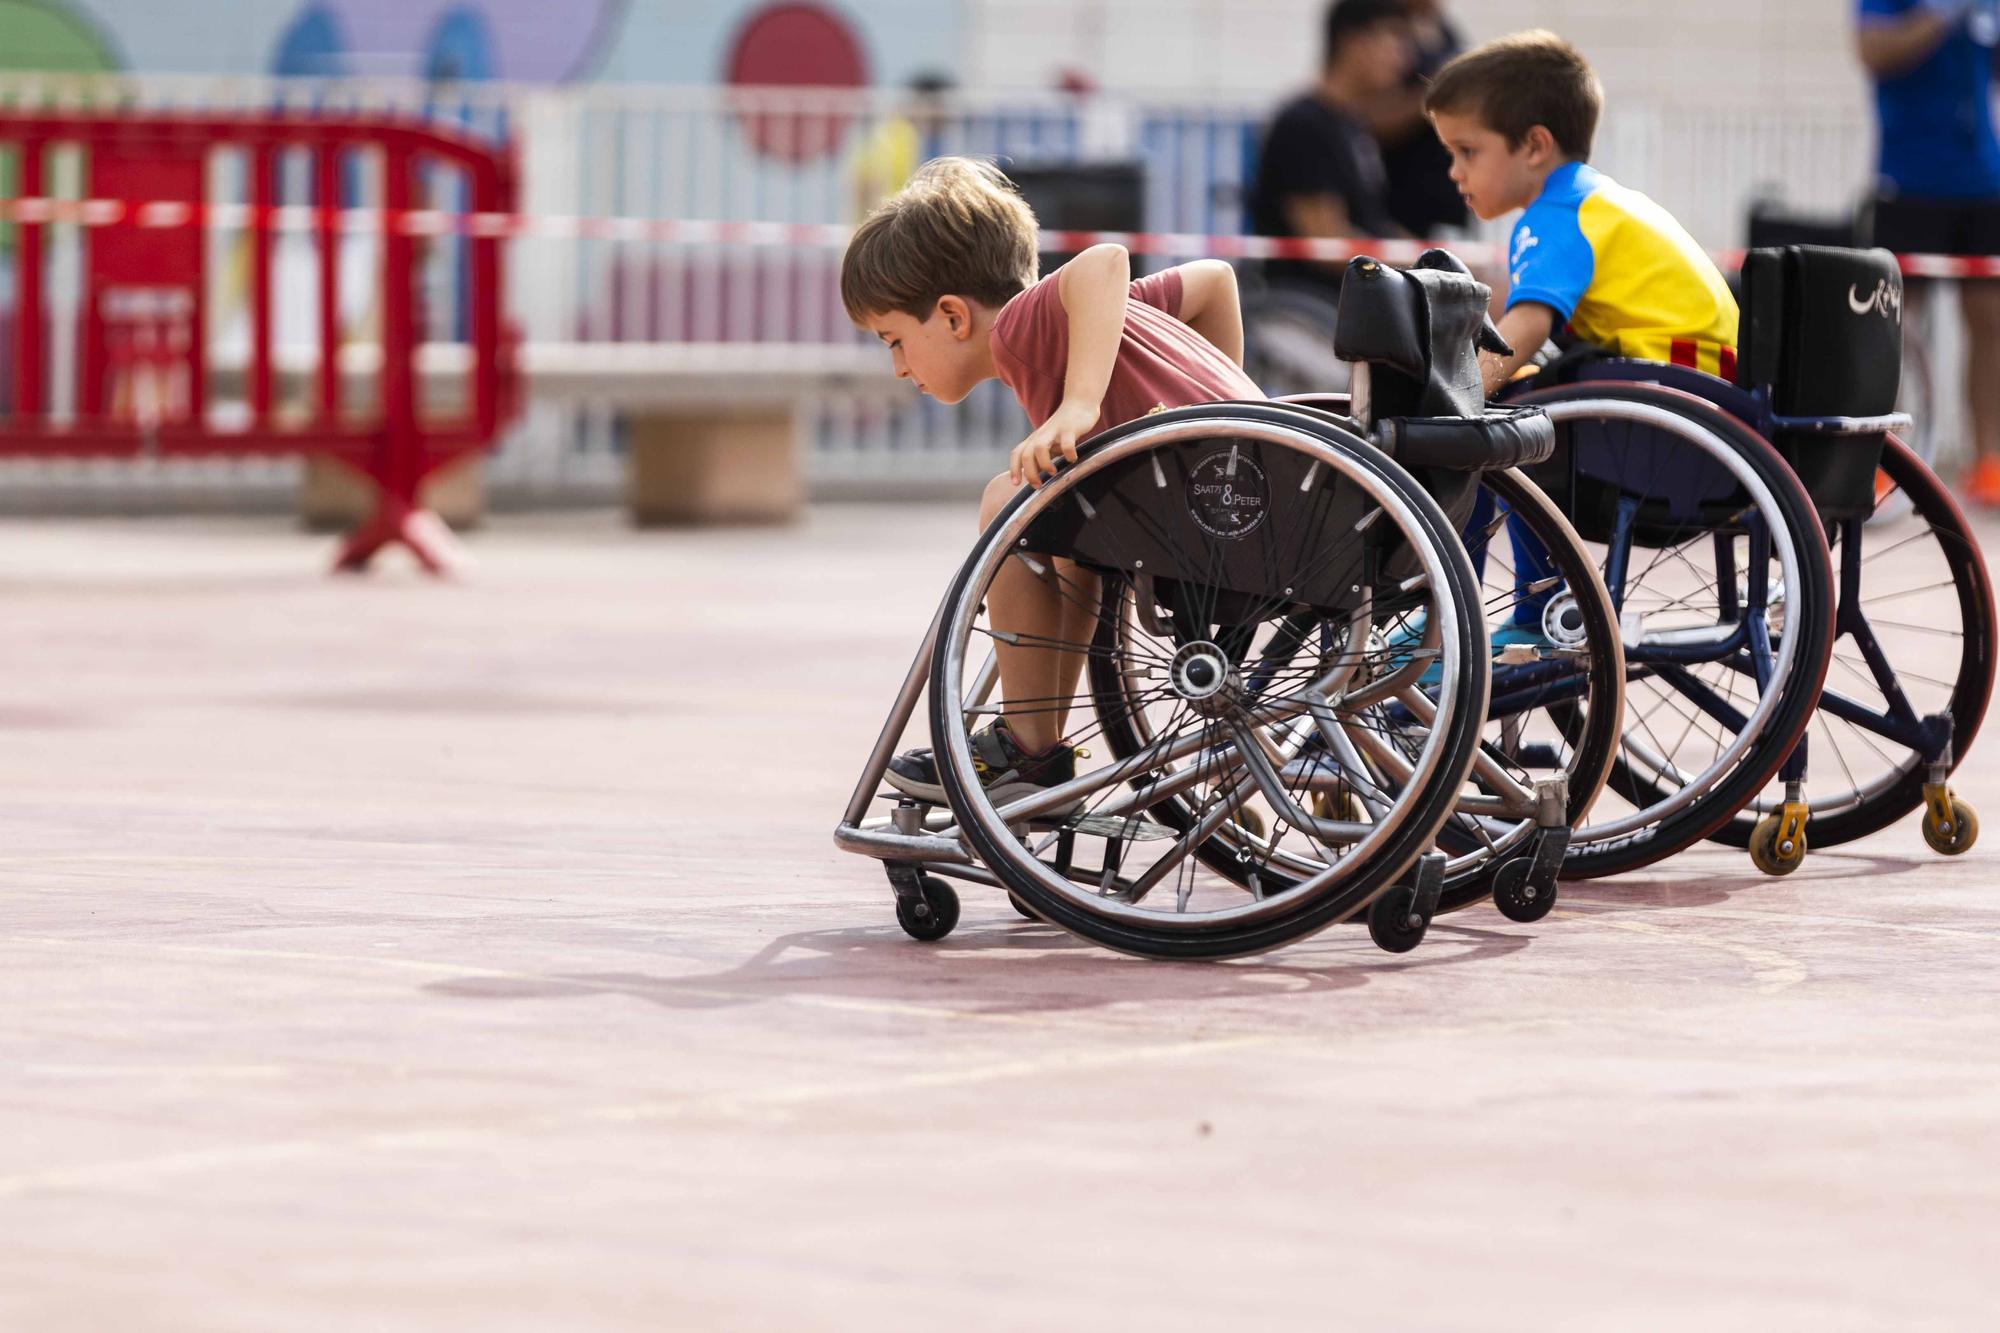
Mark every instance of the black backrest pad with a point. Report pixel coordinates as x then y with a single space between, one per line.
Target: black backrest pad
1416 329
1823 329
1226 514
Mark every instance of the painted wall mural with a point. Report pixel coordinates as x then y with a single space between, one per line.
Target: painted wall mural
526 41
49 35
530 41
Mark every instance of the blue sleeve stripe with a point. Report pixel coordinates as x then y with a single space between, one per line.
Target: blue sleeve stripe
1554 300
1549 258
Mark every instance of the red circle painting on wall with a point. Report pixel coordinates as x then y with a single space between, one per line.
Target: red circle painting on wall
795 45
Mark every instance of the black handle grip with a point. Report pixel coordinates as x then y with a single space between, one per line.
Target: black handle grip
1489 339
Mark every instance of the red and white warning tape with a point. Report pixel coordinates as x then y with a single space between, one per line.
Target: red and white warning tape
783 235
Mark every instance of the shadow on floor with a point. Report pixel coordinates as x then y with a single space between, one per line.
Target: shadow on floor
1662 887
1004 968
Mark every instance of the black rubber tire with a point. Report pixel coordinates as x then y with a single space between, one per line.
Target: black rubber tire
1409 840
1014 901
941 899
1389 920
1809 615
1972 683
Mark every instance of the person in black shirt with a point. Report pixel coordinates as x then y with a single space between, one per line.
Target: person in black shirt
1421 197
1320 170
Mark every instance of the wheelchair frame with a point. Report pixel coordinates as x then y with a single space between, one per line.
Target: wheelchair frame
916 840
1779 840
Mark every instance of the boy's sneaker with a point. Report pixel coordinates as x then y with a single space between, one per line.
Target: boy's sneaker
1401 639
1006 771
1511 635
1407 632
1516 634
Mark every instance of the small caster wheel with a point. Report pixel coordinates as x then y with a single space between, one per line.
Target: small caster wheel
1393 921
1517 899
1769 855
1950 837
1021 907
932 916
1251 821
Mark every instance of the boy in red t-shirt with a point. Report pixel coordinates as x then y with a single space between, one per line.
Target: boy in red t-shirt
944 273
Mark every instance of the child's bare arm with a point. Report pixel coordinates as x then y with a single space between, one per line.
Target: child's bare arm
1093 288
1209 305
1525 327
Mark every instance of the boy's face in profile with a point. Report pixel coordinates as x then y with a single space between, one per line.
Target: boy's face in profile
937 354
1495 177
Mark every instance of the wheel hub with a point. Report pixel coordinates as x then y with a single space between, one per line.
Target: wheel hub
1563 623
1202 675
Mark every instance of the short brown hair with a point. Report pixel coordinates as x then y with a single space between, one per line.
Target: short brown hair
1513 84
958 228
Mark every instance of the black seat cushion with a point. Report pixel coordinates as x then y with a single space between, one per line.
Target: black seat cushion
1504 437
1417 329
1822 329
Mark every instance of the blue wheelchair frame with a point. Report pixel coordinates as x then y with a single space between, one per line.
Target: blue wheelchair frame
1747 649
1930 737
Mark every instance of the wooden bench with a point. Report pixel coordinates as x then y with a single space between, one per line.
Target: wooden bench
715 429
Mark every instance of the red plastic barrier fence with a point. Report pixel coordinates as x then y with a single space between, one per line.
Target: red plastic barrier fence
145 340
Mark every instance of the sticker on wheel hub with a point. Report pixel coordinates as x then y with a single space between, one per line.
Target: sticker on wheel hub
1227 494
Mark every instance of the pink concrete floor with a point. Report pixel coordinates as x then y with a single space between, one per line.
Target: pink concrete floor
380 954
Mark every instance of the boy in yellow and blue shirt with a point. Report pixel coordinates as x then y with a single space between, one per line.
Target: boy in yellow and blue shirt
1517 116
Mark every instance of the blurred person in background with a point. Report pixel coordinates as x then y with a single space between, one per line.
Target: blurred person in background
1320 172
1104 128
1421 197
908 137
1938 190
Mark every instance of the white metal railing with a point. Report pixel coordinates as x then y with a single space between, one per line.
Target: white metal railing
791 156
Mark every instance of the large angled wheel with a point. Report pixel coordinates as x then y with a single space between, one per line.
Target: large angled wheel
1254 551
1554 710
1912 659
1714 556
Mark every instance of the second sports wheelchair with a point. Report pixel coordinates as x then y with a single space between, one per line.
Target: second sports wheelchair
1284 653
1710 506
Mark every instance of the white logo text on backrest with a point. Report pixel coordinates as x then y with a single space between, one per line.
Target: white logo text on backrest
1886 300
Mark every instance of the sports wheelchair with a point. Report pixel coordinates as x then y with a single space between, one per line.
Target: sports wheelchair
1717 511
1283 649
